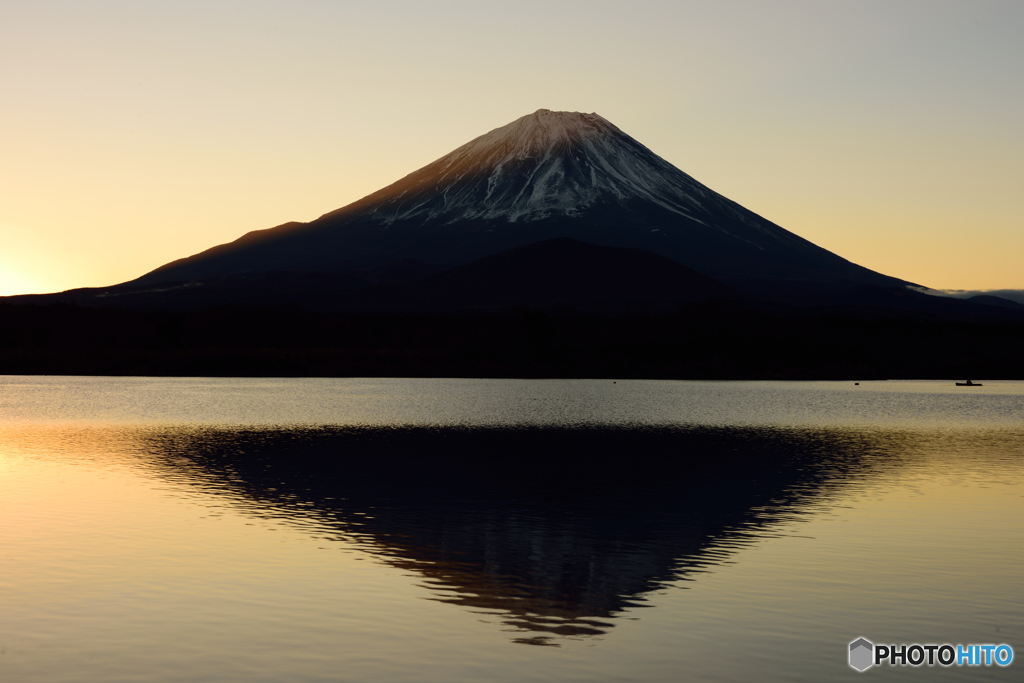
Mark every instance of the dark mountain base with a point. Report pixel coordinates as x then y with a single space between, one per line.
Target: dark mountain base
709 341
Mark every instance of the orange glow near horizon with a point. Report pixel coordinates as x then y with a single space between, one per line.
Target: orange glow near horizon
12 281
889 135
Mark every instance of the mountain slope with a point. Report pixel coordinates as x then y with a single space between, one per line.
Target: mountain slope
543 176
562 275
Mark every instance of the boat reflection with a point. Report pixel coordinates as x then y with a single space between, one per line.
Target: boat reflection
553 532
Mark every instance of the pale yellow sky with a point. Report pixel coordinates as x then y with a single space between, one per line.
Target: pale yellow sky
137 132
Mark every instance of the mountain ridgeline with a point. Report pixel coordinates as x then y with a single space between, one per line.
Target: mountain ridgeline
545 176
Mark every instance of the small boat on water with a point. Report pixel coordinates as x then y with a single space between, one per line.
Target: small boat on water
969 383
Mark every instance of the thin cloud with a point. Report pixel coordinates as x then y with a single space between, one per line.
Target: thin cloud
1016 295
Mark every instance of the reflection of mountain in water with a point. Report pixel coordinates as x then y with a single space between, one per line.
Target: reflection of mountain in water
554 531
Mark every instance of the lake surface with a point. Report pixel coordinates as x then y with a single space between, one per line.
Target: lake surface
191 529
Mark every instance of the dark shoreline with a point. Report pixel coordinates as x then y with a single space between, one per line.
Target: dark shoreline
699 342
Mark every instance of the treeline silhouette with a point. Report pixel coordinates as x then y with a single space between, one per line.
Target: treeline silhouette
703 341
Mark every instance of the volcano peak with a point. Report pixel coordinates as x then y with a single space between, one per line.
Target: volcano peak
533 134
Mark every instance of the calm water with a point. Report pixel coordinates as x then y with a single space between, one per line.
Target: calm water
503 530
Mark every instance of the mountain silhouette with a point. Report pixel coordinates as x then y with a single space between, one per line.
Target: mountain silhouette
544 176
533 533
554 246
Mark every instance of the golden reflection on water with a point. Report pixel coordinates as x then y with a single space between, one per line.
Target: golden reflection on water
554 534
193 529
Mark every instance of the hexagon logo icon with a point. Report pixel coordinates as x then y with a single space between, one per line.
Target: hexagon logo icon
862 654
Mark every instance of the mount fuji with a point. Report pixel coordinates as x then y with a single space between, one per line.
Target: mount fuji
544 176
554 246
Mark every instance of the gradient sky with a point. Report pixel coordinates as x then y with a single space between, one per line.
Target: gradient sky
135 132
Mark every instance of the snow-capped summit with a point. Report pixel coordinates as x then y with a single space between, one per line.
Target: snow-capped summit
544 164
546 175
